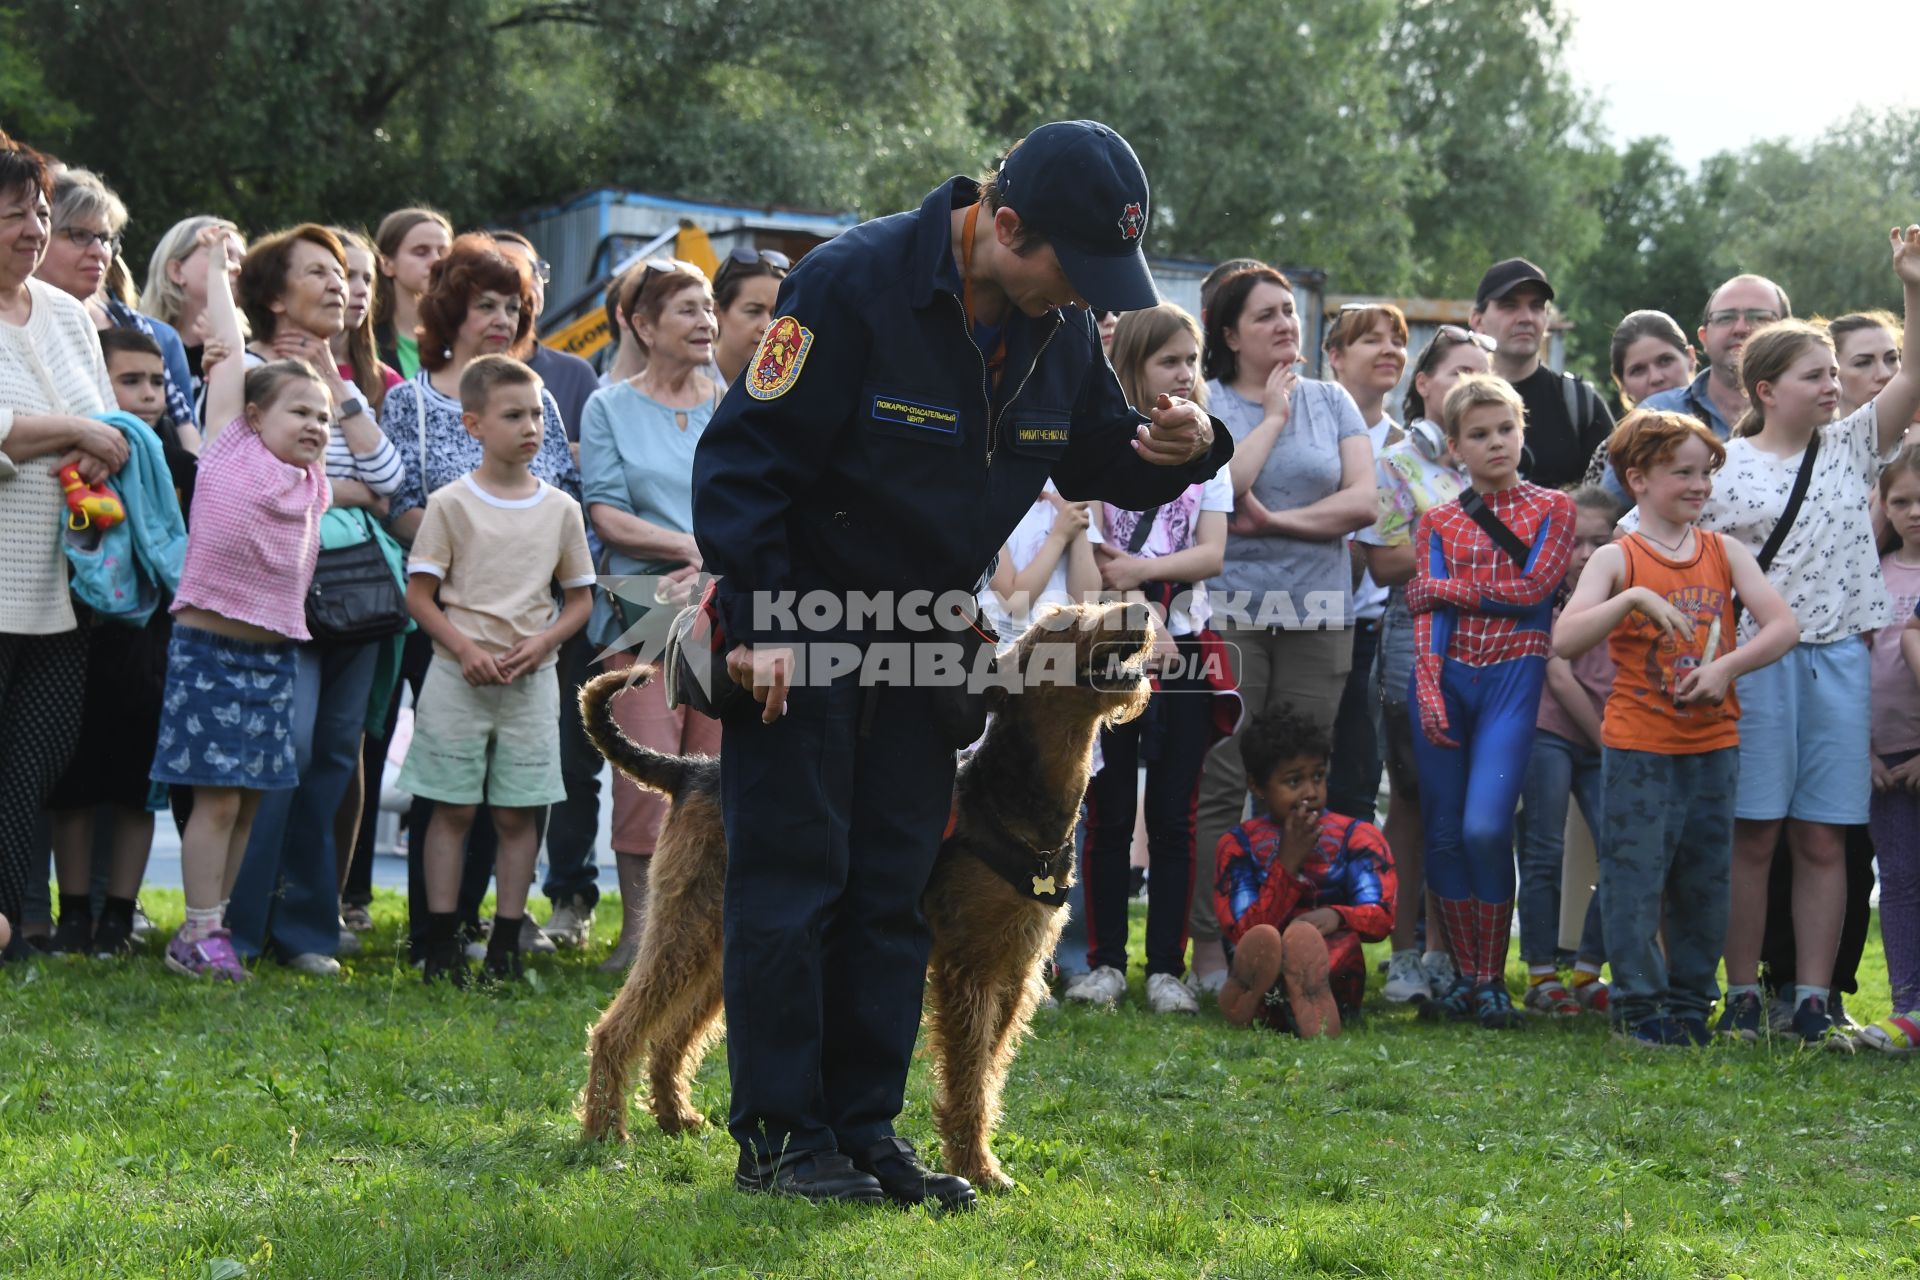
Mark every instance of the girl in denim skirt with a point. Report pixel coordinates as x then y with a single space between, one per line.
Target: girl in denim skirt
226 727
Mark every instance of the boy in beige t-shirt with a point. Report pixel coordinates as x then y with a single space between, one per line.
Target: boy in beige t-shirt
487 722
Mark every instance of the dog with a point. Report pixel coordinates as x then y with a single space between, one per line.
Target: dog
993 903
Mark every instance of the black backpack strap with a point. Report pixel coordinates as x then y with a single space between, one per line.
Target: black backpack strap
1494 527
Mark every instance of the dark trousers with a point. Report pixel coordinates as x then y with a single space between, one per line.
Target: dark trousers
358 889
1172 737
573 825
42 690
833 815
1777 948
1353 779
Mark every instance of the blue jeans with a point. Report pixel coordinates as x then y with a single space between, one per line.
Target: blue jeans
288 892
1557 771
1669 832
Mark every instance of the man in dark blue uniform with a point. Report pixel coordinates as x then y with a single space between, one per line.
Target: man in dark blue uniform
925 374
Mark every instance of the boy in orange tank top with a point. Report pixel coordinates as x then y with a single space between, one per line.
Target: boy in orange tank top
1663 599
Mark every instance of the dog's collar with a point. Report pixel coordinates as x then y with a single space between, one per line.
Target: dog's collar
1040 874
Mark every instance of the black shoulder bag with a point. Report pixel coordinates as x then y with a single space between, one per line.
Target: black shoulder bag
1771 548
354 598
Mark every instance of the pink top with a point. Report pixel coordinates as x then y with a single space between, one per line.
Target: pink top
1896 697
1592 671
255 534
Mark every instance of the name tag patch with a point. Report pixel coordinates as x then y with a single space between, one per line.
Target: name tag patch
1040 433
910 413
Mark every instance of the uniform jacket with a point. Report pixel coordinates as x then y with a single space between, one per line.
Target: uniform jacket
861 449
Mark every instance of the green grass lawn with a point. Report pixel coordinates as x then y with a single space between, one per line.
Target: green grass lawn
151 1126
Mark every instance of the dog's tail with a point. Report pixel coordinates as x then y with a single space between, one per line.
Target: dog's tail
651 769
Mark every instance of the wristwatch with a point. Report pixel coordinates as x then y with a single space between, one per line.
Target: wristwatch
352 407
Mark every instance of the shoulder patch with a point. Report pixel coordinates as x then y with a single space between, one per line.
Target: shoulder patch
776 365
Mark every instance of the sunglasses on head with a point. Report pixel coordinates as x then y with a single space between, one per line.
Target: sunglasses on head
742 256
1456 337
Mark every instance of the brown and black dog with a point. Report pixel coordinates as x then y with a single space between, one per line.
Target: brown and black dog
993 903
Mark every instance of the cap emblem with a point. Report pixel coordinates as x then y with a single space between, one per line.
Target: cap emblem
1132 221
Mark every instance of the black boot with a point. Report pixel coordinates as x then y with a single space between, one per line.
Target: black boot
896 1167
810 1175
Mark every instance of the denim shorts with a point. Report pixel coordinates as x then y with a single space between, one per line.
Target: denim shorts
1804 736
226 719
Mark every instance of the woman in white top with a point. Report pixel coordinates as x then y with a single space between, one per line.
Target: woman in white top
1804 750
1165 555
52 380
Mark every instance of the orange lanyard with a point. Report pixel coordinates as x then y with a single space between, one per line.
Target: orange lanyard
997 358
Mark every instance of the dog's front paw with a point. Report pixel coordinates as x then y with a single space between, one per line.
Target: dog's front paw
983 1171
679 1120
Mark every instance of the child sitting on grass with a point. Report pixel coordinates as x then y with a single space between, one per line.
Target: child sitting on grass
1299 891
1663 599
487 722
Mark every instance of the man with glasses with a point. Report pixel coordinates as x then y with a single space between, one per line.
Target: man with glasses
1734 311
1566 418
924 376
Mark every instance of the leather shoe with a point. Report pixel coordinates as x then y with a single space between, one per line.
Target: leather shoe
810 1175
905 1180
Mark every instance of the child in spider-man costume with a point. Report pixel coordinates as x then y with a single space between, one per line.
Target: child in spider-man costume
1482 600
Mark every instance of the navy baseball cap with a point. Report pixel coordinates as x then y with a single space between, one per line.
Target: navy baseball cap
1078 183
1503 278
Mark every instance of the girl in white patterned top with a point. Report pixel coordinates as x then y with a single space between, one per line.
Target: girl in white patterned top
1804 739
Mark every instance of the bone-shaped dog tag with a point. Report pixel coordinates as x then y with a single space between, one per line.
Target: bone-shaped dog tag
1043 885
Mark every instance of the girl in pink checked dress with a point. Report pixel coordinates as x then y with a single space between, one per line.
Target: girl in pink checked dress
226 727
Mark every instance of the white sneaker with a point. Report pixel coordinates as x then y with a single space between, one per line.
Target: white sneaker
142 926
1406 979
1441 973
570 924
314 965
1167 994
350 944
533 940
1103 987
1205 984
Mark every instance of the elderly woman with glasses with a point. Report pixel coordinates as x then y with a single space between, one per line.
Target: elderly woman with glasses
82 259
744 290
636 463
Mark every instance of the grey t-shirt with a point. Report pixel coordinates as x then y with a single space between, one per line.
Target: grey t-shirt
1303 468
